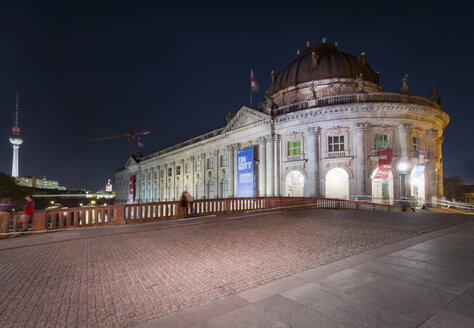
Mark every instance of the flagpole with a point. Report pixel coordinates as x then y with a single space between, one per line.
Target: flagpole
250 87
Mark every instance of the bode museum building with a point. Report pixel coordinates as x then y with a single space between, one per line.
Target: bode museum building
326 129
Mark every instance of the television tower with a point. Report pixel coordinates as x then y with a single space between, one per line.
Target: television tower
16 141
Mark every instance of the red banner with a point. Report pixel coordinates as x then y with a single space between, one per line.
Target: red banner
385 163
131 189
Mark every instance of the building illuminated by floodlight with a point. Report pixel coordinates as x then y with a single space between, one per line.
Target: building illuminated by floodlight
325 129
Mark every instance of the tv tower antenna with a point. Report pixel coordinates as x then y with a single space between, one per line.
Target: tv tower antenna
16 140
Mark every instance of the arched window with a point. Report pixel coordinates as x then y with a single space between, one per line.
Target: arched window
210 189
199 190
224 188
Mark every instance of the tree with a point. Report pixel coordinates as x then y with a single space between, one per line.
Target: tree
451 187
9 189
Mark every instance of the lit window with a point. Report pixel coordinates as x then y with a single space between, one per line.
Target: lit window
210 163
198 165
381 141
187 168
178 170
224 160
294 148
416 143
336 143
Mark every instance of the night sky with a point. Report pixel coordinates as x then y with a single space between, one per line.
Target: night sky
87 70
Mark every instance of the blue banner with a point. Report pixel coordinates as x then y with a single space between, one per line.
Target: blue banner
420 165
245 186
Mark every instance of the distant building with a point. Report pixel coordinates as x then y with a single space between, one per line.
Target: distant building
108 186
44 183
467 193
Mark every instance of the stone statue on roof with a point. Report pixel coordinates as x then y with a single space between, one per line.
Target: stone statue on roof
404 88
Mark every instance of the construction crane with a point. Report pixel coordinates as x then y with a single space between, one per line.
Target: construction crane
131 136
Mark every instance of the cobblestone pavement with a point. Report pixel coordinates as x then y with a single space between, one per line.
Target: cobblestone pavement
122 279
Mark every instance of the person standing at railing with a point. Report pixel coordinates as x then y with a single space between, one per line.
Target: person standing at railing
5 213
27 212
183 204
190 202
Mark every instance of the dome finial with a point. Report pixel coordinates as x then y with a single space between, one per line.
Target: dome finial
307 43
324 39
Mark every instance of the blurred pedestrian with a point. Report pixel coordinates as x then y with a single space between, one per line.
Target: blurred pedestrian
27 213
190 202
183 202
5 213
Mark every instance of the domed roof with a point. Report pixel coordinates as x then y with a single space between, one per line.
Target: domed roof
319 62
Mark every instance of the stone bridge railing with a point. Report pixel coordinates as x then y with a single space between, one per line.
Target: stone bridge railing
67 218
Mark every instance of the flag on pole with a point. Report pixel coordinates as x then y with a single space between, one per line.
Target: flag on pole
253 82
140 142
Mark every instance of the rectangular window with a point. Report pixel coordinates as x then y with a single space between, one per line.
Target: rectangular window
210 163
187 168
162 173
178 170
381 141
336 143
294 148
416 143
170 171
198 165
224 160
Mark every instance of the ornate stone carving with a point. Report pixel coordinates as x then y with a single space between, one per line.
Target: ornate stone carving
360 83
229 116
433 92
360 127
314 131
203 155
261 140
404 88
404 128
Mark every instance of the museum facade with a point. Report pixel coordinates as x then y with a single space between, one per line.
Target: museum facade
325 129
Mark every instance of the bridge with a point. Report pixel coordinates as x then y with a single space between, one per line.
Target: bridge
261 265
68 218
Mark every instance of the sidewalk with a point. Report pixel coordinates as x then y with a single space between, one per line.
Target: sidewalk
423 281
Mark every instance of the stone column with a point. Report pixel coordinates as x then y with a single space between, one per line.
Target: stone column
269 165
439 166
360 158
158 184
191 176
276 166
216 173
431 189
236 147
313 162
165 187
203 174
403 132
182 175
230 163
261 167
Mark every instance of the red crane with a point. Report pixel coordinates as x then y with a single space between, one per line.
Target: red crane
131 136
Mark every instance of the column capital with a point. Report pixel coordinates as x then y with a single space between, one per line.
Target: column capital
404 128
215 152
203 155
314 131
261 140
432 132
361 127
191 158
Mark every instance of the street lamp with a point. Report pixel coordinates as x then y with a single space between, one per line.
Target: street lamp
402 170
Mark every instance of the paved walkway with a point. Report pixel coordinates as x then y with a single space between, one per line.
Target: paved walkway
424 281
250 270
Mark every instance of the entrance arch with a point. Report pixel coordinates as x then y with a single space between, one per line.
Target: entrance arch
417 187
294 184
337 184
382 189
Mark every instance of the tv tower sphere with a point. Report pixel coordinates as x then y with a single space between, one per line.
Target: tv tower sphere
16 141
